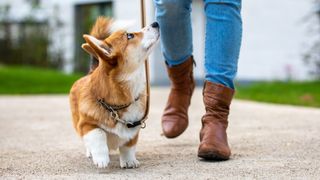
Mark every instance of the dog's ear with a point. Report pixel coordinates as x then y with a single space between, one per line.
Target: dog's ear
88 49
100 48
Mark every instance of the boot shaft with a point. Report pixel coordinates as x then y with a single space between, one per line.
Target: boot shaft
216 93
181 76
217 99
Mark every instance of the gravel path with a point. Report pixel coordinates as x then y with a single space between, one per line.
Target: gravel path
37 141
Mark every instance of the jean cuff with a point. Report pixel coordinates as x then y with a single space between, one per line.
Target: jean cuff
171 63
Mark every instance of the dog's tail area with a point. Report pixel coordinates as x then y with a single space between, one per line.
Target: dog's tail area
100 30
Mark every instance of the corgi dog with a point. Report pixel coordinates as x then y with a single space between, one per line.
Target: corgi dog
108 104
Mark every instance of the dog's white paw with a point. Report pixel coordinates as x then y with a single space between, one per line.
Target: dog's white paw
96 144
125 163
101 159
128 158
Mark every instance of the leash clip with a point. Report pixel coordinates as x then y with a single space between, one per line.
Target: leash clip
143 125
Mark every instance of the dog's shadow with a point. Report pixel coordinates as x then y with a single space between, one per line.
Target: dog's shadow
149 159
152 159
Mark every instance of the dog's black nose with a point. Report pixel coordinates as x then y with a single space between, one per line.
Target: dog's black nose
155 25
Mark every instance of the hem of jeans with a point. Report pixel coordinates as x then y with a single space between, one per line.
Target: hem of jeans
172 63
217 81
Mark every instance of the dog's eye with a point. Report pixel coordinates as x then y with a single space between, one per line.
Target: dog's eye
130 36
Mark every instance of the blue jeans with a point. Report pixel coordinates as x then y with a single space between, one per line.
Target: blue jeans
223 36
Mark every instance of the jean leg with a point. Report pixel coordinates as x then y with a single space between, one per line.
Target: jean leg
174 19
223 40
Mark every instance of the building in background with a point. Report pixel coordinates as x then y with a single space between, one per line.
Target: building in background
275 33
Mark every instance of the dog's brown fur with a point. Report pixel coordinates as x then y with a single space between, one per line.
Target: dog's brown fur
117 78
103 82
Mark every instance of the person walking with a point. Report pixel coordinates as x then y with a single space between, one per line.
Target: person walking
222 46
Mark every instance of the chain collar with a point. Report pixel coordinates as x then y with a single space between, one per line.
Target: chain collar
113 109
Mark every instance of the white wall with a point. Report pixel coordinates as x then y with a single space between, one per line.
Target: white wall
275 36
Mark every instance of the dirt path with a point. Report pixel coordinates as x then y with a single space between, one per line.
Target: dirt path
37 141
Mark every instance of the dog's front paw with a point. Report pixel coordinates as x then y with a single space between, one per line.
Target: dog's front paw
128 158
126 163
95 141
100 159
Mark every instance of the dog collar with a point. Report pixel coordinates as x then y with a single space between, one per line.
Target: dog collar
113 109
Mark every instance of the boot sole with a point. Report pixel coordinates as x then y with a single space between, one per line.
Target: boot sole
170 136
212 156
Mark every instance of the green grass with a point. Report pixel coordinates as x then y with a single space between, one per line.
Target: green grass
30 80
294 93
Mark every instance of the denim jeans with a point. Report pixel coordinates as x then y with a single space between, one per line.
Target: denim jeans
222 41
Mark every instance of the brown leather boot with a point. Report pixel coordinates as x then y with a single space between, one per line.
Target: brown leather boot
175 115
213 136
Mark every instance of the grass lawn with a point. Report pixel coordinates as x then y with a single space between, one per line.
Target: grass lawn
294 93
30 80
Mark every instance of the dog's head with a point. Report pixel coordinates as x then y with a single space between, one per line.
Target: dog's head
122 51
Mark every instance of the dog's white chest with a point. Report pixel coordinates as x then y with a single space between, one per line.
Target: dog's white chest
134 112
121 134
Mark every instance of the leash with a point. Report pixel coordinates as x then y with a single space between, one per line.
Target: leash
146 63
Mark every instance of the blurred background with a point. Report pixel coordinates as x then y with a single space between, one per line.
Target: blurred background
40 46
